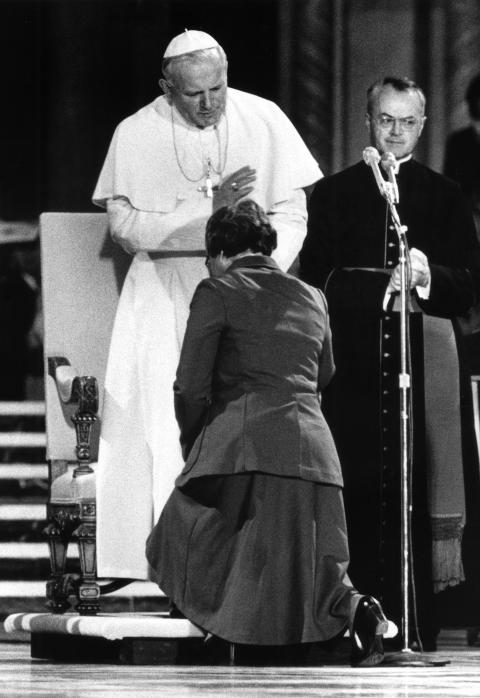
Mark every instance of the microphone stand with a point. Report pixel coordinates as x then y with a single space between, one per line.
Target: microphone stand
406 656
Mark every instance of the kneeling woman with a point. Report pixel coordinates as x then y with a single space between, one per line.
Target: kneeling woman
252 544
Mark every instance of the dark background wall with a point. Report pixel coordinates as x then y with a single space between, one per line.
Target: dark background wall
71 69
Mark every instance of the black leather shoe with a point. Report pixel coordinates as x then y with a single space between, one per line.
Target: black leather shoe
367 629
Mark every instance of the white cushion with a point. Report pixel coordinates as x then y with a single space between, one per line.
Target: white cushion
67 489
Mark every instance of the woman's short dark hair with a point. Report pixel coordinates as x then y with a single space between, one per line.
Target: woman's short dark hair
472 96
240 227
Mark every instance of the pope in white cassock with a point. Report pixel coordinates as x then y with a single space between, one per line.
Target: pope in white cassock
200 146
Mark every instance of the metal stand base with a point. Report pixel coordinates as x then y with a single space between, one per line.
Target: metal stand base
408 657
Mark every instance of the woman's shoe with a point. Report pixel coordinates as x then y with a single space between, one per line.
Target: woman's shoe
366 633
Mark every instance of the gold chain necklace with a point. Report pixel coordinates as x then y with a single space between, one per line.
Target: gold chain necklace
209 166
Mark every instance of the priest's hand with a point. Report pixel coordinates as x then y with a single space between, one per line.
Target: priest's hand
234 187
420 272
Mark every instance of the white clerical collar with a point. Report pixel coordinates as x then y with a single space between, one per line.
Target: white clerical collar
401 161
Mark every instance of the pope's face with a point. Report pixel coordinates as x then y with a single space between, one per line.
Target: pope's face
396 121
199 91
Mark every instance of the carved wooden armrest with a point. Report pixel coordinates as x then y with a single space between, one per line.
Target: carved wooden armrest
83 391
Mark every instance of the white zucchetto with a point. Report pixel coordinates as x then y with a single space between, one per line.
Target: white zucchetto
190 40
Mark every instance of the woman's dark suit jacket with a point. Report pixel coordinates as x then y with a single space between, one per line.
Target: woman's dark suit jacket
256 353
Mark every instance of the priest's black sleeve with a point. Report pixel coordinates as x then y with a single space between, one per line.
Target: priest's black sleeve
454 262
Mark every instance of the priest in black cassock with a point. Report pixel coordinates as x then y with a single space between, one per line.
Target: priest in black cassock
352 252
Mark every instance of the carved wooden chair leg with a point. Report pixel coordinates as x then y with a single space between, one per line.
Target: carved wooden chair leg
58 531
88 588
85 392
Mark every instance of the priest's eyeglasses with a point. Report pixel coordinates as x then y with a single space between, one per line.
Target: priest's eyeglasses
407 123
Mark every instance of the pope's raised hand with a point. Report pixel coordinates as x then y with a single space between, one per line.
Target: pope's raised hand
234 187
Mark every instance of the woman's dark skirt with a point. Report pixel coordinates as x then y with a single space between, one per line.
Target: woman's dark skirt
255 558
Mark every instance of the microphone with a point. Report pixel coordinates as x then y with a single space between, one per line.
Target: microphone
371 157
389 164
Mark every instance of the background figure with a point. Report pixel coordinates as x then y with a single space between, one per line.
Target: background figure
19 300
462 152
351 250
198 147
252 544
462 163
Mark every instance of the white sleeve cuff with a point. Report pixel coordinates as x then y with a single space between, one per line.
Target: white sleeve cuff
386 299
424 291
289 218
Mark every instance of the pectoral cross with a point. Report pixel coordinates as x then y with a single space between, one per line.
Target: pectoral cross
207 187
